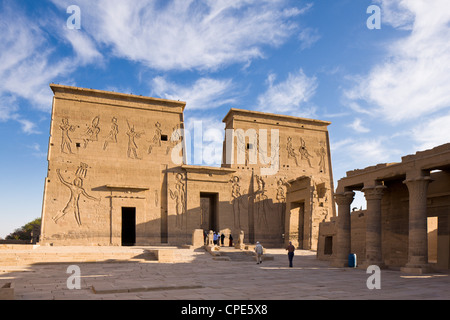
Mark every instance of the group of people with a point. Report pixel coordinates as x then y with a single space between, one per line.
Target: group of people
259 250
218 239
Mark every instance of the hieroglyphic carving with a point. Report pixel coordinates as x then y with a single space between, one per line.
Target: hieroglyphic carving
76 190
92 132
132 146
304 152
236 195
156 138
261 202
281 198
66 141
291 150
112 137
321 153
158 134
175 138
179 195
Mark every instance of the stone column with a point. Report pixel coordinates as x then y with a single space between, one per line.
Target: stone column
343 240
418 233
373 197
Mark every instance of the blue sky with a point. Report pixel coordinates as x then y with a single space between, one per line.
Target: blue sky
386 91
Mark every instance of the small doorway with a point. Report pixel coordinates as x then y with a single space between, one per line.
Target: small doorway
297 225
128 226
208 204
432 224
328 248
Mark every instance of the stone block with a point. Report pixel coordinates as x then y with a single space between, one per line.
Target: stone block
198 238
165 256
7 291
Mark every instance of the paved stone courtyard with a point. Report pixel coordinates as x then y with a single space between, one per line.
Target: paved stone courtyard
199 276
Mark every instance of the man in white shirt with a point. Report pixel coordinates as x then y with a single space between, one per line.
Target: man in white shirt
259 252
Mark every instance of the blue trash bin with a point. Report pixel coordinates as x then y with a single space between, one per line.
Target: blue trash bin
352 260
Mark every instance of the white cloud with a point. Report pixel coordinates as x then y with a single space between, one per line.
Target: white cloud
396 13
27 63
358 127
351 153
28 127
188 34
36 151
308 37
205 93
413 80
290 96
432 132
83 45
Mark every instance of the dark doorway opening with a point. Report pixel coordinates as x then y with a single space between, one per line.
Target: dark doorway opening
328 248
128 226
209 206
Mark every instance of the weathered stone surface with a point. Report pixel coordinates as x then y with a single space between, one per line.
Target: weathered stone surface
117 175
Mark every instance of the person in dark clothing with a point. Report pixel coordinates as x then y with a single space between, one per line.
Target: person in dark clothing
222 238
290 248
231 240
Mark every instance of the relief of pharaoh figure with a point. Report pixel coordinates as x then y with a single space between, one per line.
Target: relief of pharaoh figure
66 141
76 191
179 196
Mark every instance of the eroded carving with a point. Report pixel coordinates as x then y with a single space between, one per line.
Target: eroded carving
179 196
261 202
322 153
236 195
112 137
92 132
132 146
291 150
282 184
66 141
304 152
76 190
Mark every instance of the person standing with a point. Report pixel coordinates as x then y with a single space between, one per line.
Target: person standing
259 252
290 248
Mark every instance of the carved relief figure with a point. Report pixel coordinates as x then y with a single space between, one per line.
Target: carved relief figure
112 137
76 190
291 150
158 134
156 138
179 196
175 138
235 195
132 146
92 131
322 156
304 152
281 198
261 198
66 141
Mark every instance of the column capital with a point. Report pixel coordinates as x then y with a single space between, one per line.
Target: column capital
418 186
374 192
418 180
344 198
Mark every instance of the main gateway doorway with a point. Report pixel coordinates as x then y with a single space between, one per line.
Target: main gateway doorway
209 208
128 226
